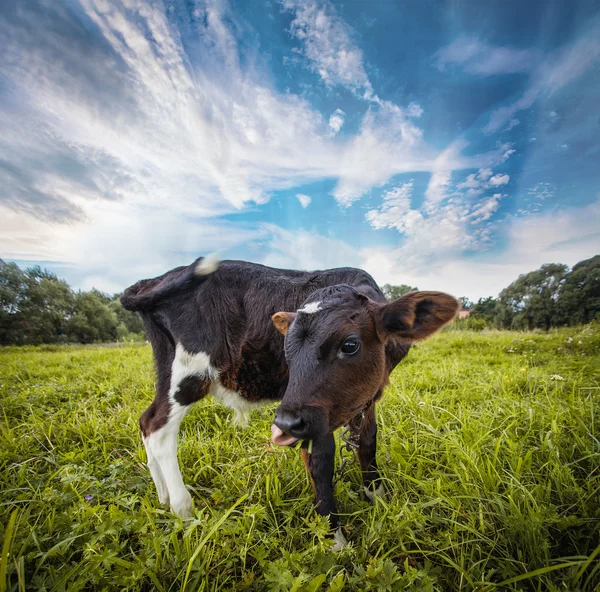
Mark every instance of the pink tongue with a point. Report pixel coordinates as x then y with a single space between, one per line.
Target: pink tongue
280 438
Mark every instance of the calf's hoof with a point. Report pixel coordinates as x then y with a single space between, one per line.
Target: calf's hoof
373 493
340 541
182 505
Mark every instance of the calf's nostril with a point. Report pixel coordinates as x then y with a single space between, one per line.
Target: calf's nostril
289 423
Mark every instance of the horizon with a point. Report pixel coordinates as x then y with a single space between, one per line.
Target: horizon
451 149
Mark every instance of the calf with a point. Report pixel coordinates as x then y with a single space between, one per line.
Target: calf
323 343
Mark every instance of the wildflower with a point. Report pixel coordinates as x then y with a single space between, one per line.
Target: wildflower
579 342
523 369
556 377
569 339
505 377
88 498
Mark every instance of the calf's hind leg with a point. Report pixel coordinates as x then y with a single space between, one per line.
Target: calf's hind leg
149 417
160 427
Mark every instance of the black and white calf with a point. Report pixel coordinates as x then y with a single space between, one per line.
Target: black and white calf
220 330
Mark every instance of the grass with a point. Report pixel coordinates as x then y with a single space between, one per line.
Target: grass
488 443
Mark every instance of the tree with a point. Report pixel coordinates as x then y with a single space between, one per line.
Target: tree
13 290
579 299
129 324
92 319
394 292
531 301
44 310
465 303
485 309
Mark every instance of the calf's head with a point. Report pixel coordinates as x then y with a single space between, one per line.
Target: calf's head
335 350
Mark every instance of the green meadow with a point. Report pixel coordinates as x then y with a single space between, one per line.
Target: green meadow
489 444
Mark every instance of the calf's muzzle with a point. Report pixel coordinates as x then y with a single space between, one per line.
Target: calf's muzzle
290 422
293 423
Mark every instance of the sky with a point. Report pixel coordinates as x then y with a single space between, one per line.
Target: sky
447 145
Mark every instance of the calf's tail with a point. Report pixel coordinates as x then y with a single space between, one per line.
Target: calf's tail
147 294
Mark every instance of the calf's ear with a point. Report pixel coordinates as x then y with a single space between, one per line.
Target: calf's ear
283 320
416 315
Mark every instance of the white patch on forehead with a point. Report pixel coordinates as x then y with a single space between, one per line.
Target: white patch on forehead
311 308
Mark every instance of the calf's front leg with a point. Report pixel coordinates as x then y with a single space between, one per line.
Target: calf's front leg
367 455
320 465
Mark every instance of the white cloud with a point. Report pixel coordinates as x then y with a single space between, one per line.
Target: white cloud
479 57
498 180
441 173
395 211
302 249
542 191
560 236
388 143
451 220
433 235
536 195
327 43
485 208
336 121
303 199
476 183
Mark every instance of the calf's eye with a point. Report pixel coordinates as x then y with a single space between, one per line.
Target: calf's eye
350 346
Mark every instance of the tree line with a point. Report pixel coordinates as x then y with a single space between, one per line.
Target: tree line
37 307
551 296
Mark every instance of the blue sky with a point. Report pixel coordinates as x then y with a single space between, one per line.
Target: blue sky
450 146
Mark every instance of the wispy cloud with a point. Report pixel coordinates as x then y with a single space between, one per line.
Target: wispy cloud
476 56
327 43
476 183
555 71
512 123
451 159
304 249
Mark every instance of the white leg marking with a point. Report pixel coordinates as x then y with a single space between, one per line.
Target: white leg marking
157 476
379 492
163 447
162 444
340 540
